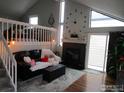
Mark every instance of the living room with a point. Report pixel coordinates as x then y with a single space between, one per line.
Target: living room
82 40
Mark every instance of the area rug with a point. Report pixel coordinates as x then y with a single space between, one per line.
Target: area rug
92 71
37 84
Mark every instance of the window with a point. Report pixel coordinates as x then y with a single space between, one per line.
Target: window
33 20
100 20
61 21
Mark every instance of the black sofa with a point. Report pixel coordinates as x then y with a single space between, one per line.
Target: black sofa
23 70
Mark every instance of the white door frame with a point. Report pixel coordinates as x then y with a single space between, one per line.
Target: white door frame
88 45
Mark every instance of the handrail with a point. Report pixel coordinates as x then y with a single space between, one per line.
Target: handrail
26 24
9 62
24 32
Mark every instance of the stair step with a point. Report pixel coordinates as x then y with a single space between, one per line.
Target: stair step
5 84
2 72
4 80
1 64
9 89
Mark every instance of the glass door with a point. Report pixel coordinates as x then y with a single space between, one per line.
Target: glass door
97 51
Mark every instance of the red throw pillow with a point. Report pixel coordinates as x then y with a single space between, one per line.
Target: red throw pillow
45 59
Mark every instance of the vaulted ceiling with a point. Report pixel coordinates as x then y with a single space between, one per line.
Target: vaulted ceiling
15 8
115 8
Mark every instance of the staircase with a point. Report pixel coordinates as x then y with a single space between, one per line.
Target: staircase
5 83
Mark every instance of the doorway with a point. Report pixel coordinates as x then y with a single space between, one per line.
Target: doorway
97 51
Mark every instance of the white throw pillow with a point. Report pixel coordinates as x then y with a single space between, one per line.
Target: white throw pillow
27 59
47 52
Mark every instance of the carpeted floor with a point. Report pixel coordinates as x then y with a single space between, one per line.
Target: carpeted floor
38 85
92 71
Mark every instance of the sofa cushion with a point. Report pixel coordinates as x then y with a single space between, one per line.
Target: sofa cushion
20 55
35 54
47 52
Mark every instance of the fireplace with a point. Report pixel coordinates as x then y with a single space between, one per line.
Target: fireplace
74 55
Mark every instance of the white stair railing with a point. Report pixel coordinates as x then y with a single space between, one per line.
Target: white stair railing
8 61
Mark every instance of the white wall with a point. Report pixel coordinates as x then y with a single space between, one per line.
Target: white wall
43 8
25 46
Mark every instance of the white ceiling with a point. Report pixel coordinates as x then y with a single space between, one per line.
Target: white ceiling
15 8
114 8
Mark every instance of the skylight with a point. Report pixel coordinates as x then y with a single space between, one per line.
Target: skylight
100 20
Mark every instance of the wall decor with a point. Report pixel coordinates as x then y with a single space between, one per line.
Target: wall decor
85 21
81 13
75 10
74 35
76 21
69 31
66 27
70 14
51 20
67 18
83 26
85 17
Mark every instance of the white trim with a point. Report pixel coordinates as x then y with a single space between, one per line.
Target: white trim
90 16
105 29
87 51
106 53
61 23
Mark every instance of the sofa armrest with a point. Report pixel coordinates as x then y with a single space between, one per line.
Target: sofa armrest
57 58
23 65
23 69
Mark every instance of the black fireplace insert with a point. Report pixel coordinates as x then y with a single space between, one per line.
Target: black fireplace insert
74 55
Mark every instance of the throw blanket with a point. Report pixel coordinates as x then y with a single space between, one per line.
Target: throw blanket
41 65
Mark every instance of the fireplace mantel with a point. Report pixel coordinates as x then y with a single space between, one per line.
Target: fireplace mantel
74 41
82 39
